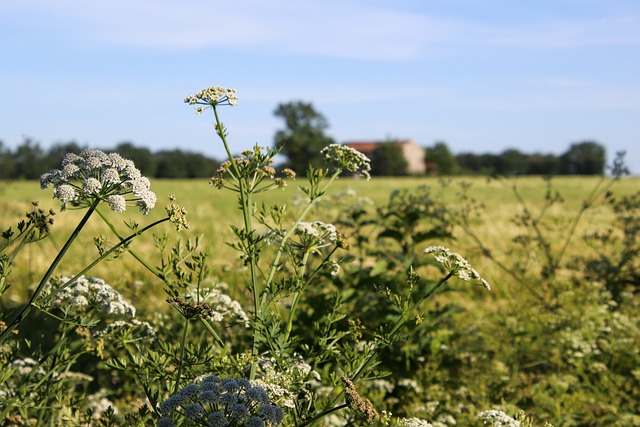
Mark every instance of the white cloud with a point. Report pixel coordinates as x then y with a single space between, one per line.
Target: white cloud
331 28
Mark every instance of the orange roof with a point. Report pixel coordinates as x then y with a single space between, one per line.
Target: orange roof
369 146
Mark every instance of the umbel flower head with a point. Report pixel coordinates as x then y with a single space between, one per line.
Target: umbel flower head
343 157
221 403
456 265
94 175
92 293
212 96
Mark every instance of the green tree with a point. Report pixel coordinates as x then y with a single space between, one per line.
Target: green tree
141 156
543 164
440 157
512 162
584 158
388 160
303 136
7 163
56 153
29 160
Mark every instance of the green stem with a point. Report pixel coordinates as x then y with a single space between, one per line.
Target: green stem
145 264
401 322
182 345
245 203
27 308
296 297
322 414
290 231
103 256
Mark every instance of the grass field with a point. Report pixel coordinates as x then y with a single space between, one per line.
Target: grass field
558 336
210 212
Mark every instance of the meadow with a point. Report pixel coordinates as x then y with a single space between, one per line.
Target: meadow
561 345
211 212
333 299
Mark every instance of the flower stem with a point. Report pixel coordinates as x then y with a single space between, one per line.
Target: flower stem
27 308
402 321
103 256
322 414
296 297
182 345
246 206
145 264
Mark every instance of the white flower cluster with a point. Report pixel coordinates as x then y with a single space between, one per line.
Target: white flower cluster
498 419
346 158
223 307
316 234
221 403
413 422
279 383
91 293
214 95
96 175
26 365
455 264
135 328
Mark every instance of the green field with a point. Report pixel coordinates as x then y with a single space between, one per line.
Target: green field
210 212
558 336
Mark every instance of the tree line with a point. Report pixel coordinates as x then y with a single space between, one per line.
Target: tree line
304 136
300 142
29 160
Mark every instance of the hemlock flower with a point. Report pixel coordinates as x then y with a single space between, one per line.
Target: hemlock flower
498 419
221 402
212 96
456 265
94 175
413 422
343 157
177 214
91 293
316 234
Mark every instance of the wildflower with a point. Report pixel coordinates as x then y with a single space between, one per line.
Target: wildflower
498 419
357 404
92 293
212 96
346 158
456 265
177 214
241 403
316 234
217 419
94 175
165 422
193 412
334 268
133 328
220 307
413 422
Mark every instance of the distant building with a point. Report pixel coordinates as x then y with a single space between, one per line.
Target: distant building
413 153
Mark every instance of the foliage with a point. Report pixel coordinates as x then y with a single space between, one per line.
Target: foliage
29 160
442 159
584 158
331 310
303 136
388 160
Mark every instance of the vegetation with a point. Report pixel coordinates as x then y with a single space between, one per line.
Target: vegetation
303 136
315 301
388 160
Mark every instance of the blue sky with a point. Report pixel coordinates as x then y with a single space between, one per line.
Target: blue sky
482 75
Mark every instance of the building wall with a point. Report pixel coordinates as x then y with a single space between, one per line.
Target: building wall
414 154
